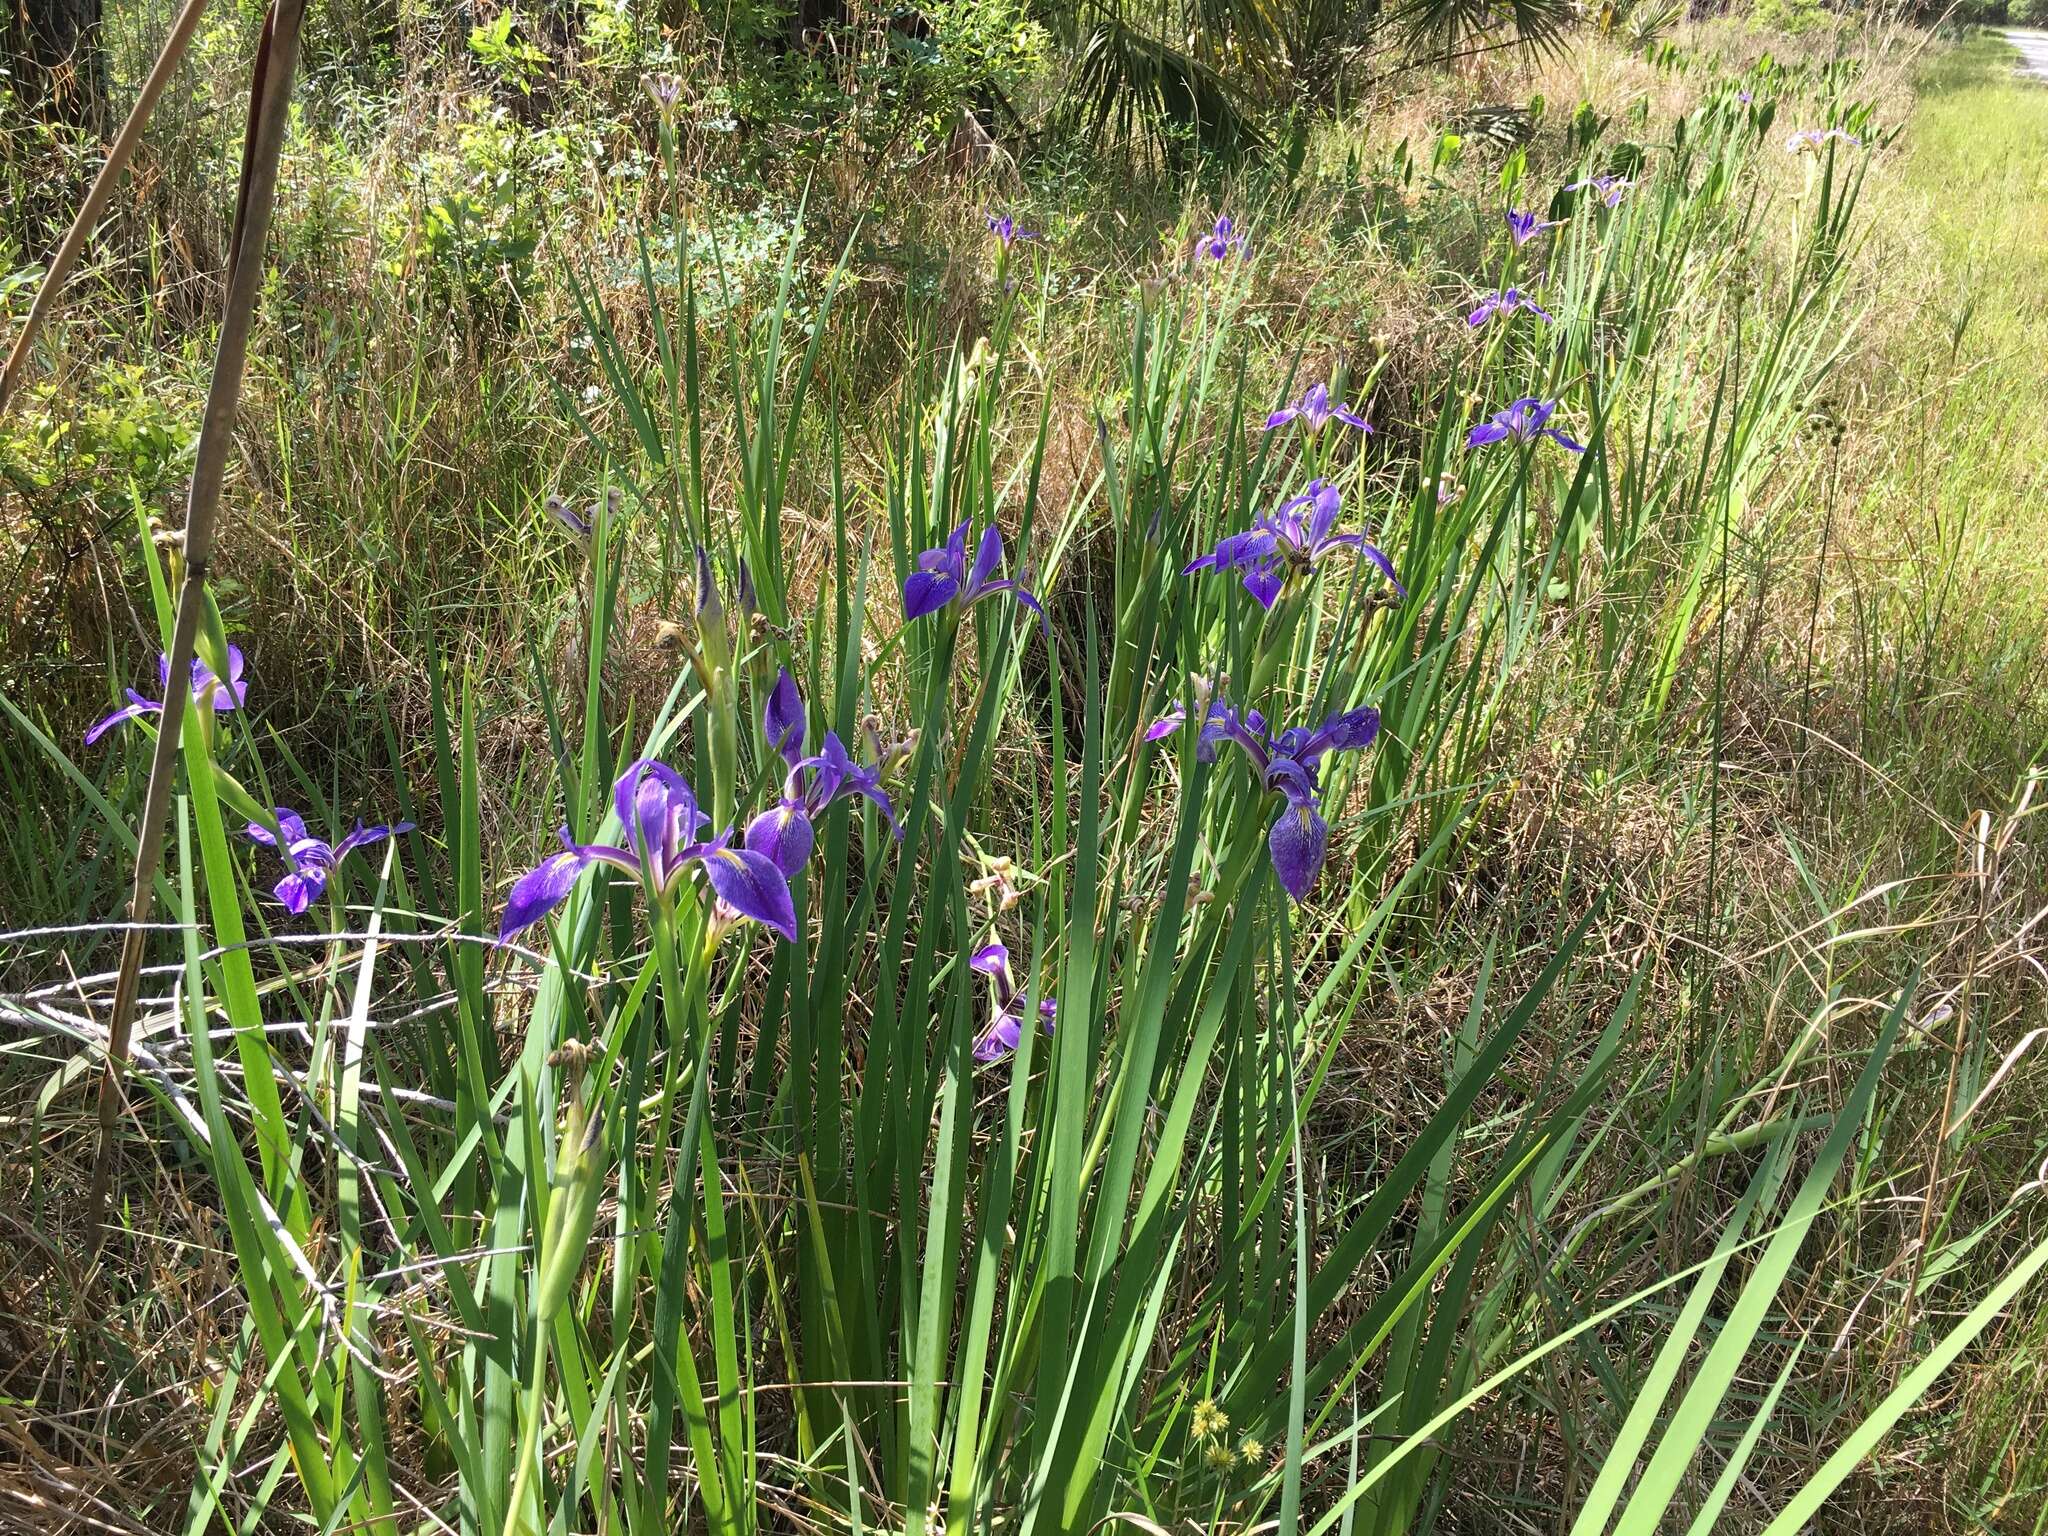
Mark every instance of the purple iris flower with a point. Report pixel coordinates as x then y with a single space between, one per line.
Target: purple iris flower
1316 411
1223 241
1289 765
1810 141
582 523
1204 690
943 577
568 517
784 833
310 859
1005 229
1006 1031
659 822
1744 97
1609 189
1504 302
206 688
1295 539
1526 226
1524 421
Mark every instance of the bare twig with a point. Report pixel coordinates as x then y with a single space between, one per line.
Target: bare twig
269 97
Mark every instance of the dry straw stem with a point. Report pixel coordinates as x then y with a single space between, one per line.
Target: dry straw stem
118 155
269 99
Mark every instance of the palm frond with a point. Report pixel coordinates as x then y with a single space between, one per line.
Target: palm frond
1447 28
1136 89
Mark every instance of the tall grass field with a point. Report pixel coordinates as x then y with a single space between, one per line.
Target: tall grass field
1024 770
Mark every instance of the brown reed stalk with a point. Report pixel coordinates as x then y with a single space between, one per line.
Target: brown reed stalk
119 153
270 88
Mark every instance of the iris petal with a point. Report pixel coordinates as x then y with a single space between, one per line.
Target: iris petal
657 813
1299 843
999 1039
133 710
1264 582
289 822
540 890
784 836
1352 730
752 886
987 557
782 718
927 592
991 960
363 836
299 889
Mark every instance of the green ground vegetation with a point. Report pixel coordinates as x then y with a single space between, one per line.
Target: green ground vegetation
1634 1126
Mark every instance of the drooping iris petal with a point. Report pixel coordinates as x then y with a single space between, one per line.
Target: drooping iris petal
1504 303
751 884
784 836
136 707
1299 842
363 836
834 775
309 860
991 960
540 890
1167 723
1218 726
868 785
1384 564
999 1039
301 888
1286 765
228 694
568 517
1005 230
1292 541
1264 581
1028 600
782 718
828 772
1223 240
1234 550
927 592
